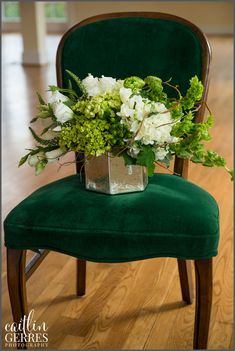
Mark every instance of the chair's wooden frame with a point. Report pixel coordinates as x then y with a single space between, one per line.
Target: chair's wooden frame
18 272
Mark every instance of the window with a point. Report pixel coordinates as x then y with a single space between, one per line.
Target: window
54 11
10 11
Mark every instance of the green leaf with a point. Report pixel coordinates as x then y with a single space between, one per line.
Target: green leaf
196 159
47 128
34 119
77 81
146 157
44 114
42 102
23 160
72 94
40 140
128 159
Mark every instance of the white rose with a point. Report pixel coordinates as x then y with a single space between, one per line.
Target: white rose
54 154
62 112
34 159
91 85
56 97
107 84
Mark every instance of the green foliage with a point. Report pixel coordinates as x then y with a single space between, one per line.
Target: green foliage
42 102
51 126
23 160
212 159
78 81
73 96
146 157
193 94
154 89
134 83
128 159
43 141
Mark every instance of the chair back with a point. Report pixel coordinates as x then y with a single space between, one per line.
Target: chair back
135 43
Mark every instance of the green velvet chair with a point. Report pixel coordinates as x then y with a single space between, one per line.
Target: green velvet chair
171 218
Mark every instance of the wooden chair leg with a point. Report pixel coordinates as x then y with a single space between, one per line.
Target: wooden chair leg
81 277
186 283
16 280
203 272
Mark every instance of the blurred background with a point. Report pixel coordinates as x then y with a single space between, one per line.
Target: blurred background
31 31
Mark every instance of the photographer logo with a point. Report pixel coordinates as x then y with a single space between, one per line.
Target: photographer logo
26 333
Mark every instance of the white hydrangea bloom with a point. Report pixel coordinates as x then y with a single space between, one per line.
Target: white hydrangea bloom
54 154
133 150
62 112
134 108
135 125
149 120
156 129
158 107
126 111
160 153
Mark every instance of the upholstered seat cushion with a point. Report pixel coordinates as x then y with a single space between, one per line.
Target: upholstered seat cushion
172 217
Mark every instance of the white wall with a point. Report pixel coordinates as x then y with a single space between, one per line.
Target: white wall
213 17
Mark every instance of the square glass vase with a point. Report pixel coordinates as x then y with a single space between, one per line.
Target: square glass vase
108 174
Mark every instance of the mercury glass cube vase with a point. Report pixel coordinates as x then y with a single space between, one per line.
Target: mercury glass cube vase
108 174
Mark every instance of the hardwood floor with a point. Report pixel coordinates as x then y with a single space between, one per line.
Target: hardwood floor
133 305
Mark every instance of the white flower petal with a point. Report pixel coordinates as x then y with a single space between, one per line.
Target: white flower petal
91 85
56 97
62 112
54 154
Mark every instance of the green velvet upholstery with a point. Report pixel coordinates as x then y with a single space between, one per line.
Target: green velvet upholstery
172 217
121 47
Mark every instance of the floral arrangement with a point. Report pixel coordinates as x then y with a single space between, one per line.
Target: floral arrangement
134 116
